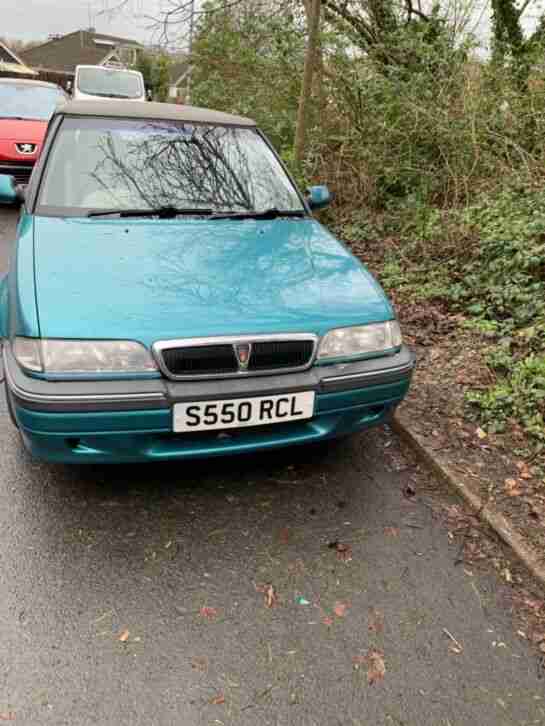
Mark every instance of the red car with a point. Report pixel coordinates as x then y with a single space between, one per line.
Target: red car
25 109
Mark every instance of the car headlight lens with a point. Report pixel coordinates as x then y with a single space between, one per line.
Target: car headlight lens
360 340
83 356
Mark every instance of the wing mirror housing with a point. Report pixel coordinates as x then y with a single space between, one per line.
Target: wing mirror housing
319 197
10 193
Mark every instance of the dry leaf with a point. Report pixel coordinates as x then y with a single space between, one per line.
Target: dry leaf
340 609
480 433
375 666
217 700
124 636
270 597
200 663
284 535
542 647
537 638
391 531
376 621
207 612
524 471
512 488
344 552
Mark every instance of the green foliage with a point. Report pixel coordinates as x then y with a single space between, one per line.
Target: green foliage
519 395
250 64
144 64
161 78
486 260
155 70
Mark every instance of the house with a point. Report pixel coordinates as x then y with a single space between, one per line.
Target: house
178 79
57 59
11 65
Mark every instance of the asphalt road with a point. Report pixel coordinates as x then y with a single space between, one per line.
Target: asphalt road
89 553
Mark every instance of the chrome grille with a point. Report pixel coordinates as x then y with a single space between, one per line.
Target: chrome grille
230 357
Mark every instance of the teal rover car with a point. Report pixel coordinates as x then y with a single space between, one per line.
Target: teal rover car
171 294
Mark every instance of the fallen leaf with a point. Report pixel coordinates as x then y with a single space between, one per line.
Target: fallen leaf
524 471
270 597
207 612
375 666
542 647
391 531
537 638
480 433
344 552
200 663
284 535
340 609
217 700
507 575
512 488
376 621
124 636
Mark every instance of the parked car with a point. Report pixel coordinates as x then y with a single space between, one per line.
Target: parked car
25 109
93 83
172 295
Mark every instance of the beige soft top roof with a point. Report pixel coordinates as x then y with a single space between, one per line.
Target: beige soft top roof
148 110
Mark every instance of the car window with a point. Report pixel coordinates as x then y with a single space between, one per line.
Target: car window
24 100
122 164
109 83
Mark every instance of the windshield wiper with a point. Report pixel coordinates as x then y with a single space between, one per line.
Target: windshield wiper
165 212
272 213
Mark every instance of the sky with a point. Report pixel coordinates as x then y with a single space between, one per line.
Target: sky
36 19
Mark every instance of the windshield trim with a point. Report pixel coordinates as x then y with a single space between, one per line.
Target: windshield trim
56 123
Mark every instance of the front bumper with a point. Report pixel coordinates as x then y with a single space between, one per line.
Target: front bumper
130 421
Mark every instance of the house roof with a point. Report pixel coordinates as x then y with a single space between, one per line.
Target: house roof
11 63
80 47
154 111
177 70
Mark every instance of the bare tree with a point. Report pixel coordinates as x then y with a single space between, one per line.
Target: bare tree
312 8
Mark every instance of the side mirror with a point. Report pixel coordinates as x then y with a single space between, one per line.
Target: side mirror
319 197
10 193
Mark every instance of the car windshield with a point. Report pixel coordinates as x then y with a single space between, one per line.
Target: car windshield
117 164
109 82
28 101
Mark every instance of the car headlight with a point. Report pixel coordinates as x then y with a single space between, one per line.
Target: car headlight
360 340
83 356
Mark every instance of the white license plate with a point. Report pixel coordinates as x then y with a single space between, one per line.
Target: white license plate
238 412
